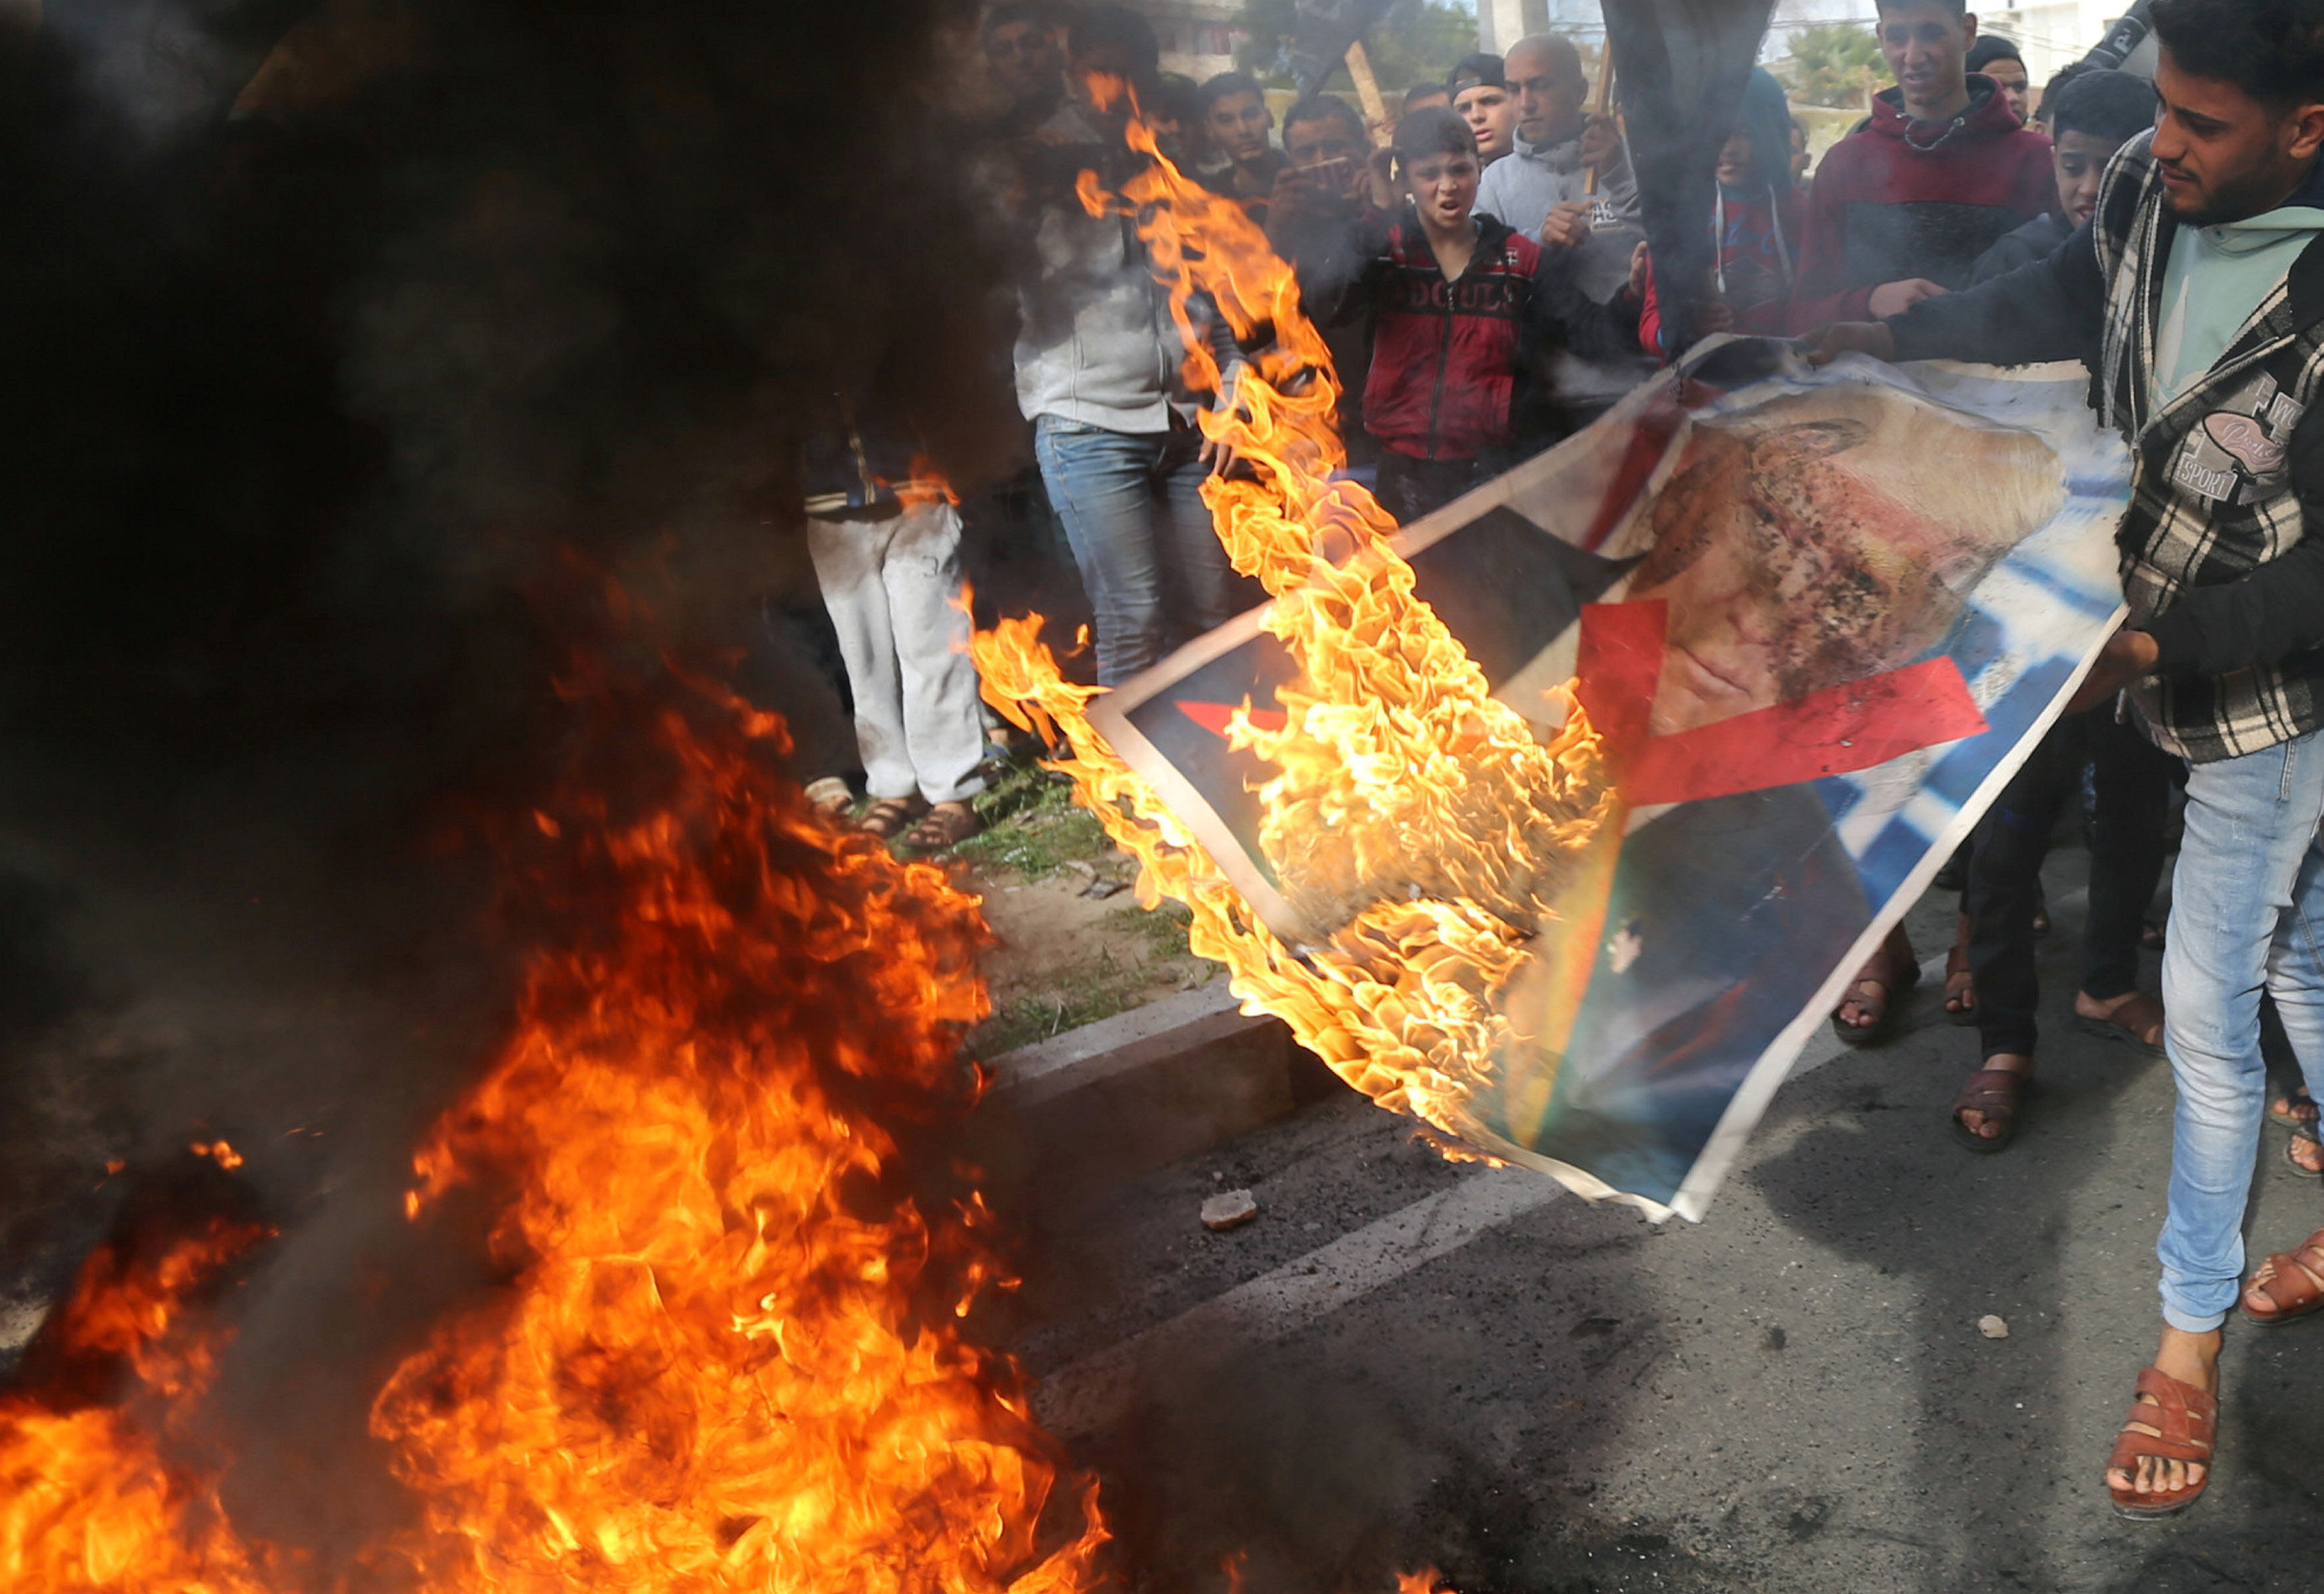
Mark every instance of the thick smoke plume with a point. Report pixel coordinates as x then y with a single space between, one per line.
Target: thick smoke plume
347 389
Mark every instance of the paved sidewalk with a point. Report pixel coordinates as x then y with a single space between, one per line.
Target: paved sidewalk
1404 1361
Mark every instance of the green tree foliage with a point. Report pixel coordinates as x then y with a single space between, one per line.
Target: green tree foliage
1417 41
1828 64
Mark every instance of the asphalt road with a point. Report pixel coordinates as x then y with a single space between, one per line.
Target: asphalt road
1404 1361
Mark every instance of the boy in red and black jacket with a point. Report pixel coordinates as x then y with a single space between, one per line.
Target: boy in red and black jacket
1470 317
1903 207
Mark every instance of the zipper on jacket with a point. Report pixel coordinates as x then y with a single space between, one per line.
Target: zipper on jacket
1444 362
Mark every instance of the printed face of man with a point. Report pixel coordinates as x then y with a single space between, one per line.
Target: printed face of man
1491 116
1794 559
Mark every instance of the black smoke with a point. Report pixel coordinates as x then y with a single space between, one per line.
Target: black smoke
358 355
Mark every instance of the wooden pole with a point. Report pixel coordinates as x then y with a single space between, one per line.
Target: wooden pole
1603 97
1360 68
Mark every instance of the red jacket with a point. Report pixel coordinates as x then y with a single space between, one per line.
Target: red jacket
1463 368
1900 198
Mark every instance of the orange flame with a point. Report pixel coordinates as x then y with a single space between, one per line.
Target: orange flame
727 1360
1416 817
218 1152
88 1500
1426 1580
727 1357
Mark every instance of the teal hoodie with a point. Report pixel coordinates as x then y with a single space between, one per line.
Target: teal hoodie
2218 276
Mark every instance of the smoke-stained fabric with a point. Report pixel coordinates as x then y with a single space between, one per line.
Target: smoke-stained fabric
1817 619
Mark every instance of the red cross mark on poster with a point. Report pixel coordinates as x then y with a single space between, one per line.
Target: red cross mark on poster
1836 730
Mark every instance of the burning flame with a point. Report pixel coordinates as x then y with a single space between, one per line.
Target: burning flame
87 1498
1416 815
727 1359
728 1355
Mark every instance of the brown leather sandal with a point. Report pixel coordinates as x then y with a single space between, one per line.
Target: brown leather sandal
2298 1287
945 825
1995 1092
2136 1024
887 816
2186 1424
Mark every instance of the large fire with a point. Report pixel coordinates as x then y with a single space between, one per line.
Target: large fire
728 1353
1411 811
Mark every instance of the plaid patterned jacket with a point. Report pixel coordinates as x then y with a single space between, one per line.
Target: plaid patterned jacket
2215 563
2213 492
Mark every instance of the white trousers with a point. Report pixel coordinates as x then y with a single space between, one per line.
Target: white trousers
890 586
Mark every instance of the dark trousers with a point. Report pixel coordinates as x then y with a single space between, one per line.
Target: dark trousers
2132 786
1409 488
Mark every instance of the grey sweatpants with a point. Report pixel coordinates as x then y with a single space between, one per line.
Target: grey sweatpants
891 585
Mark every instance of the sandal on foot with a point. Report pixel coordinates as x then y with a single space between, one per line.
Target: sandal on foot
887 816
1886 1009
830 798
2186 1422
2289 1114
2298 1287
2131 1024
2292 1147
1960 988
945 825
1995 1093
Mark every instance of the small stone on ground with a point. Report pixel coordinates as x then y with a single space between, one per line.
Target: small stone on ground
1231 1210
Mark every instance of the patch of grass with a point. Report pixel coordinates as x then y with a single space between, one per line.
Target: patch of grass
1097 987
1035 826
1162 930
1029 1019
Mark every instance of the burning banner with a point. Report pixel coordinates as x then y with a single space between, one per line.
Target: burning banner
1813 620
1560 818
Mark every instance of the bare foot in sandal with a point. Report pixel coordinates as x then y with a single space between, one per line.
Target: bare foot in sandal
1961 985
2133 1018
887 816
945 825
1994 1115
2288 1285
1866 1010
2297 1109
2163 1455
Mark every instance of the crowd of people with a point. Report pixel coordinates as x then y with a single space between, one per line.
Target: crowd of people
1480 271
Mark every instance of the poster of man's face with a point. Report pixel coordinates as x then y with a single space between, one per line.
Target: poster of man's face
1789 607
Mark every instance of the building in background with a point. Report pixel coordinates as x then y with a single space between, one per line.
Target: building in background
1198 37
2050 33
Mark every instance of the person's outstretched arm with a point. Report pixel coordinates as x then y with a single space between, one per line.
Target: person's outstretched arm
2051 309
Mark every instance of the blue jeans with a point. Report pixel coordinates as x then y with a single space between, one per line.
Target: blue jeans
2246 913
1151 561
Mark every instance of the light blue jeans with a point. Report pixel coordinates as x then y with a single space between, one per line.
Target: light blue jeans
1151 561
2246 914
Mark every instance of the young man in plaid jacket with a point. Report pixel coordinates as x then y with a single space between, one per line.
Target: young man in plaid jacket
2196 294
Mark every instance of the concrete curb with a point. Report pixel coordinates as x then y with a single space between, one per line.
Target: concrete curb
1123 1097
